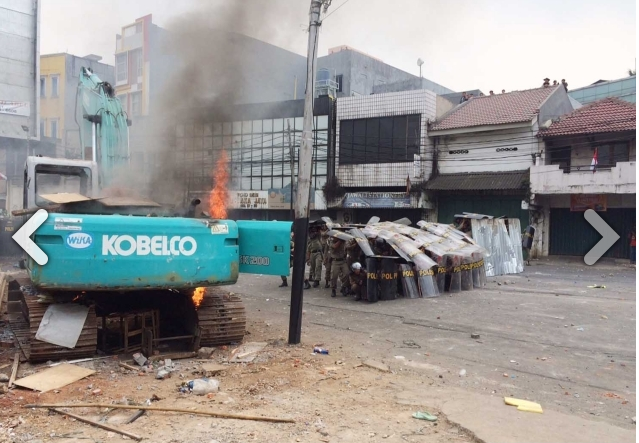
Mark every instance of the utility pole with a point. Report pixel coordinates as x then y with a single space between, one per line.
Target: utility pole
291 154
304 178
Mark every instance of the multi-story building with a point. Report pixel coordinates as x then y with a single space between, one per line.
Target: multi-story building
356 73
623 88
565 182
262 145
19 91
483 149
59 78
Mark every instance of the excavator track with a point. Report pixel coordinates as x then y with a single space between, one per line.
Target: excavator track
221 317
25 325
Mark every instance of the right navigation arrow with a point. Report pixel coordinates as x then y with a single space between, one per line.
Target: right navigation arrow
609 237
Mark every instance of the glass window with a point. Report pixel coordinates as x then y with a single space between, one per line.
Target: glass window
299 124
217 128
54 129
136 103
322 122
43 86
237 128
246 183
278 125
267 126
208 130
277 182
609 155
42 128
130 31
121 68
55 79
138 60
227 128
217 142
257 126
246 127
340 81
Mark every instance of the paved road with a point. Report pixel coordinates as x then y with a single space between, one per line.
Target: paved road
545 336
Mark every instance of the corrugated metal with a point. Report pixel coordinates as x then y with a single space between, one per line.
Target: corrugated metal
571 234
496 205
481 181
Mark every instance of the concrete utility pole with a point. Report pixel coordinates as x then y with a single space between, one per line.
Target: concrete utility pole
304 178
291 154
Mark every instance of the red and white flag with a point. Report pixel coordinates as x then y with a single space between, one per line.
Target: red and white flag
594 162
3 177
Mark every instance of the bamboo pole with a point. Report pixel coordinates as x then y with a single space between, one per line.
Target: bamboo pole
161 409
14 370
99 425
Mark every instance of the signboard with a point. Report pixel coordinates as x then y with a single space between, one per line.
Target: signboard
15 108
281 198
248 199
376 200
583 202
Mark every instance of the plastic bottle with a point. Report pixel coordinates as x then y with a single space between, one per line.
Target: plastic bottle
317 350
203 386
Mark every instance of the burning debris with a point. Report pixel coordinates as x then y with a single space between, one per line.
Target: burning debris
219 197
198 296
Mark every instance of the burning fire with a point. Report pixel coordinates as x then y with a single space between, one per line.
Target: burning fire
198 296
219 197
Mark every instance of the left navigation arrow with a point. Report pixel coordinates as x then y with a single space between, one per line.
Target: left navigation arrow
22 237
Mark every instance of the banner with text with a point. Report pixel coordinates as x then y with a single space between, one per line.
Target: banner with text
15 108
583 202
248 199
376 200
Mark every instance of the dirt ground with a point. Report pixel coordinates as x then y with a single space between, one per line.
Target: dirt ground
344 403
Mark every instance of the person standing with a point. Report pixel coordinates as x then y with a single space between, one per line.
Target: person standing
284 279
339 268
314 257
326 244
633 246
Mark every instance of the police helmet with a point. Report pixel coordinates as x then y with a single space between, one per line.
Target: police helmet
355 266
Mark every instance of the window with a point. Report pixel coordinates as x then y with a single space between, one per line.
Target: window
54 85
340 80
54 129
379 140
138 61
43 86
42 128
609 155
121 68
51 180
130 31
136 103
122 99
138 28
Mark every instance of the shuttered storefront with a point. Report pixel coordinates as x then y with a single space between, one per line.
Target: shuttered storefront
495 205
571 234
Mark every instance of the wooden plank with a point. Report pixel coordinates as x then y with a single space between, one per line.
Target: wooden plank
14 369
54 378
99 425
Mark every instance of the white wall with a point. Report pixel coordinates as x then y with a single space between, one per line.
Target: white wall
421 102
489 151
20 65
549 179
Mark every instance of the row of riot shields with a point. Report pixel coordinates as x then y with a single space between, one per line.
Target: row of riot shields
429 260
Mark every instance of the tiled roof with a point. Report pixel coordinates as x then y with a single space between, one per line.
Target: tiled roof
607 115
498 109
490 181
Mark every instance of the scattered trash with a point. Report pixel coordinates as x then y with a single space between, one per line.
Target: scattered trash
604 317
580 329
597 287
505 374
96 392
523 405
634 420
421 415
162 374
513 361
317 350
513 376
576 395
376 365
474 336
400 357
205 352
54 378
203 386
410 344
140 359
462 373
4 378
213 367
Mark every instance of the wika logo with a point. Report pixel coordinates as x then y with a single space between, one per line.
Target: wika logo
79 240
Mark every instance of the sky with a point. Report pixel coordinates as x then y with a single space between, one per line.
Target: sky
465 44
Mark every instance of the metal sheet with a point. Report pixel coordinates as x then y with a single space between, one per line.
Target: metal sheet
372 279
62 324
409 282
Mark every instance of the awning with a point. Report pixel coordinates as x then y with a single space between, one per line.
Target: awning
484 181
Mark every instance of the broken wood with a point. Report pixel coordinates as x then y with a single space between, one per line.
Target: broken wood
134 417
161 409
129 367
174 356
29 211
14 370
99 425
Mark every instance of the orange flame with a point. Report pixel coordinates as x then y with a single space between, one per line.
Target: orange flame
198 296
219 197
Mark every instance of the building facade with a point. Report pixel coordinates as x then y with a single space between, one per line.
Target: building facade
19 91
262 144
565 183
59 79
484 148
356 73
623 88
382 148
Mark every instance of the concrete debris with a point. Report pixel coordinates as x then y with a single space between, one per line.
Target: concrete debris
4 378
475 336
462 373
162 374
205 352
140 359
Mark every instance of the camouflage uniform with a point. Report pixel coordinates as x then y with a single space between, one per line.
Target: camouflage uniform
326 244
339 268
358 284
314 258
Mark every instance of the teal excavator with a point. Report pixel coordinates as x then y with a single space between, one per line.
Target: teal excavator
120 263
